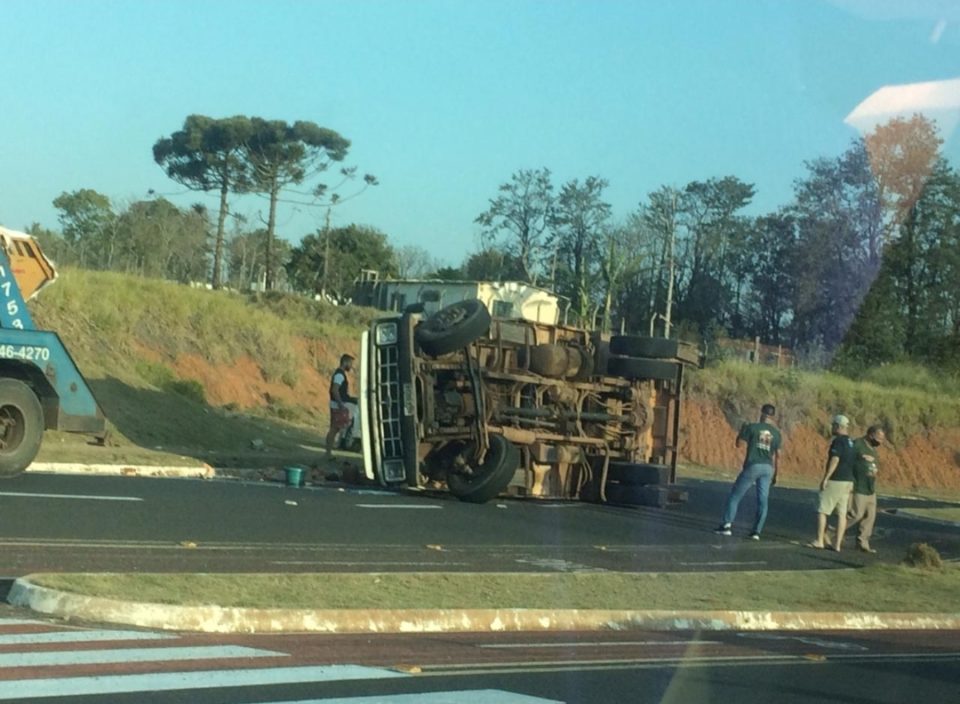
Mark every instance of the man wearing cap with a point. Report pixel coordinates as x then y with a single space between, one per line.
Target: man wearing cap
762 441
863 504
837 483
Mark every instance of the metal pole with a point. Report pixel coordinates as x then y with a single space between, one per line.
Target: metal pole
673 237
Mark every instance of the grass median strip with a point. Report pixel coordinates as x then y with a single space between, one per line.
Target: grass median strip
877 588
941 514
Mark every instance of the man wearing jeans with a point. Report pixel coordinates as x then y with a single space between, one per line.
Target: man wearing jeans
762 441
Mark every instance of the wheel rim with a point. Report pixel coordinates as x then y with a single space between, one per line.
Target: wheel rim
448 318
12 428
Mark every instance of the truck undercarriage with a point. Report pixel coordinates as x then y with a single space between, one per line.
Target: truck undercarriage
486 406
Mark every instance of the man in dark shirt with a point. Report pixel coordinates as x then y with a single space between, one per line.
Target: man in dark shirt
340 417
762 440
837 483
863 505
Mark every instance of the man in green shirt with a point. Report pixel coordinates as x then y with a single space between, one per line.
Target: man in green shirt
863 506
762 440
837 483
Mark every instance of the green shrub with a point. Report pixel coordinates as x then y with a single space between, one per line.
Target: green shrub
188 388
154 373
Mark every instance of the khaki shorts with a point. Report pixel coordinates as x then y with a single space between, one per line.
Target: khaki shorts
834 498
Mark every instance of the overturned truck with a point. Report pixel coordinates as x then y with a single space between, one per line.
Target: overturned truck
486 406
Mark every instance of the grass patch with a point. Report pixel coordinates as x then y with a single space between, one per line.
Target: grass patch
811 397
876 588
941 514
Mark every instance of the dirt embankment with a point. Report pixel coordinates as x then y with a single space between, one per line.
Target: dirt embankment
928 460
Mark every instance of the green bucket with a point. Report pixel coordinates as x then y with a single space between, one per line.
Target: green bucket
294 476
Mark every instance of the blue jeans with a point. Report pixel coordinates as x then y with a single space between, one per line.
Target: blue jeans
762 476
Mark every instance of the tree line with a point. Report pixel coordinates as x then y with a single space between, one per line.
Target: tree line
861 266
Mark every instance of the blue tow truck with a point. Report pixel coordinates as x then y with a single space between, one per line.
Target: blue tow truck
40 385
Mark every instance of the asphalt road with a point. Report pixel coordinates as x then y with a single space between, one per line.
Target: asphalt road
100 523
84 665
64 523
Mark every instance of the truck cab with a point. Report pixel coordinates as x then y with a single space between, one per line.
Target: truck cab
41 386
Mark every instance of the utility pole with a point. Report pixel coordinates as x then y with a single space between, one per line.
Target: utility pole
326 255
673 237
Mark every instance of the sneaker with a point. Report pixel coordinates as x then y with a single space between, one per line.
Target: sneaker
754 536
865 548
723 529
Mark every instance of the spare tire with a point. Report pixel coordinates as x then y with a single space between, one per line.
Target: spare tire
453 327
633 368
640 346
638 473
489 478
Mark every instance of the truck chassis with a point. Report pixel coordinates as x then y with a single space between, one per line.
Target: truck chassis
482 406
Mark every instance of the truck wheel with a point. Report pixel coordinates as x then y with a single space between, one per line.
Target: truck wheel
640 346
638 473
21 427
491 477
587 366
453 327
633 368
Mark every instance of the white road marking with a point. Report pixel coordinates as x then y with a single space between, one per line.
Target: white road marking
79 637
401 506
83 497
124 655
167 681
684 662
724 564
471 696
808 640
584 644
371 563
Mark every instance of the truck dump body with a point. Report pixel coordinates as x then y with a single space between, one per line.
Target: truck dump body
487 406
41 386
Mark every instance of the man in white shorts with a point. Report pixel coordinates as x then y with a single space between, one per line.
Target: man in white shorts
837 483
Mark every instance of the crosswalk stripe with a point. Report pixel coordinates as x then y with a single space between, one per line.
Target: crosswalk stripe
167 681
79 637
125 655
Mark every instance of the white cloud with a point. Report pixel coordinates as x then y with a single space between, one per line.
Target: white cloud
937 100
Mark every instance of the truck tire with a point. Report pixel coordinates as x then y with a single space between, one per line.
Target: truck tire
638 473
640 346
21 427
453 327
638 369
549 360
491 477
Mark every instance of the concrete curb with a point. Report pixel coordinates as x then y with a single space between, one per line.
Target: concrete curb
204 471
217 619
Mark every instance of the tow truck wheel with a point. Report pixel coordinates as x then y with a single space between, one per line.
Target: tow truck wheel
489 478
453 327
21 427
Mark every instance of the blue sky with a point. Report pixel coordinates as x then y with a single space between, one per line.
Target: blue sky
444 100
